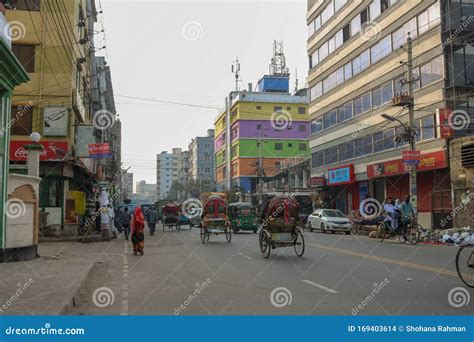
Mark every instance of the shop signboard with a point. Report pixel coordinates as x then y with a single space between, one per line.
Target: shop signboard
52 150
446 127
316 182
411 157
428 161
98 151
341 175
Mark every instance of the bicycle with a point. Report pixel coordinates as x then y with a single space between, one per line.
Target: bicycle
411 233
465 263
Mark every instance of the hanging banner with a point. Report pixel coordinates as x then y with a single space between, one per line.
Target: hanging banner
52 150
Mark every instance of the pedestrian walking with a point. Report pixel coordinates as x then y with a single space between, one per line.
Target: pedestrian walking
138 227
126 222
113 229
152 219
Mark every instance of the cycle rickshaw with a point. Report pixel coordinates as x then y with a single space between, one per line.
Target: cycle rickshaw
171 216
280 226
214 219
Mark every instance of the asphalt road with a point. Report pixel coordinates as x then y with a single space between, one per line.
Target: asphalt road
338 275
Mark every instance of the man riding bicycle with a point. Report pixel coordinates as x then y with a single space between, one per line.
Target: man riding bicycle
407 213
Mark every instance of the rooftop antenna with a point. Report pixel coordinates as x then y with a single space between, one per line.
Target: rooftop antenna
236 71
296 81
278 65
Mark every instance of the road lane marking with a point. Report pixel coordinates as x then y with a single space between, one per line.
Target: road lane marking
322 287
388 261
245 256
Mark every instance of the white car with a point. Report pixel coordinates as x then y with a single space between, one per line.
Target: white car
329 220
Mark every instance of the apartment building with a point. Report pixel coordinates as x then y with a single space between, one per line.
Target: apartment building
201 158
171 167
357 56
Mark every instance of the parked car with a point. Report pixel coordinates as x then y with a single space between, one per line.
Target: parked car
329 220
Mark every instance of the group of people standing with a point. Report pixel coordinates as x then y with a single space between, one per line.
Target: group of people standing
397 212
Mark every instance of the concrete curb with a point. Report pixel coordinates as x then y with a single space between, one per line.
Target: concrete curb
71 302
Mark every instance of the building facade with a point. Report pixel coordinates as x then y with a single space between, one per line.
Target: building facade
12 74
57 102
171 167
127 184
201 158
357 55
271 126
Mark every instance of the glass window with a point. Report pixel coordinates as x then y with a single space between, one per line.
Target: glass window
375 9
378 142
389 139
331 155
346 33
323 51
355 25
357 106
359 148
339 39
317 23
387 92
428 131
278 146
368 145
364 16
436 69
314 59
347 71
377 97
302 146
311 28
338 4
385 46
317 159
327 13
434 14
346 151
340 76
356 68
364 59
366 103
423 22
330 119
426 74
344 112
316 126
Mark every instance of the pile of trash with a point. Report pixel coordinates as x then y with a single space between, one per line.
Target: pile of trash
455 236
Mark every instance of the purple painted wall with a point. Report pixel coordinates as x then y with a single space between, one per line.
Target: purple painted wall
248 129
219 141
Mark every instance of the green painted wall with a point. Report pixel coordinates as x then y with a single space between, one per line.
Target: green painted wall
289 148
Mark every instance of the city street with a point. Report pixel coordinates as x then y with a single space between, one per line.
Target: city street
338 275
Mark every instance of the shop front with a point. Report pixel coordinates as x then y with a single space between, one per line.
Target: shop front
340 188
433 183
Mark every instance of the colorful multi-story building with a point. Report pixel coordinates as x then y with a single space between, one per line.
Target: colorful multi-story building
270 125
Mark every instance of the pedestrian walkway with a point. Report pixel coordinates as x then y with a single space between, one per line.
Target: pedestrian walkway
47 285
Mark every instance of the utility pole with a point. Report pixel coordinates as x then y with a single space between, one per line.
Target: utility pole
260 164
411 120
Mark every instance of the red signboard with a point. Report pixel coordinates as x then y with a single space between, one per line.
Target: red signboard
52 150
99 150
447 131
428 161
411 157
317 181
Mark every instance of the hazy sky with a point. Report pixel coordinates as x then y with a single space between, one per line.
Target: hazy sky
182 51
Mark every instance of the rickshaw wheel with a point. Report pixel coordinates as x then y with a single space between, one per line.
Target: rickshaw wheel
265 246
380 231
299 242
228 234
203 235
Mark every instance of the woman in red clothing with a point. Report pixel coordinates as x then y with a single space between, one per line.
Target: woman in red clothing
138 227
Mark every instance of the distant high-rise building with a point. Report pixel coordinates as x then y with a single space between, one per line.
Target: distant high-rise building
171 167
127 184
201 158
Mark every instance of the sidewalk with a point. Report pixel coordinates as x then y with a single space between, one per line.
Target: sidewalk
47 285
